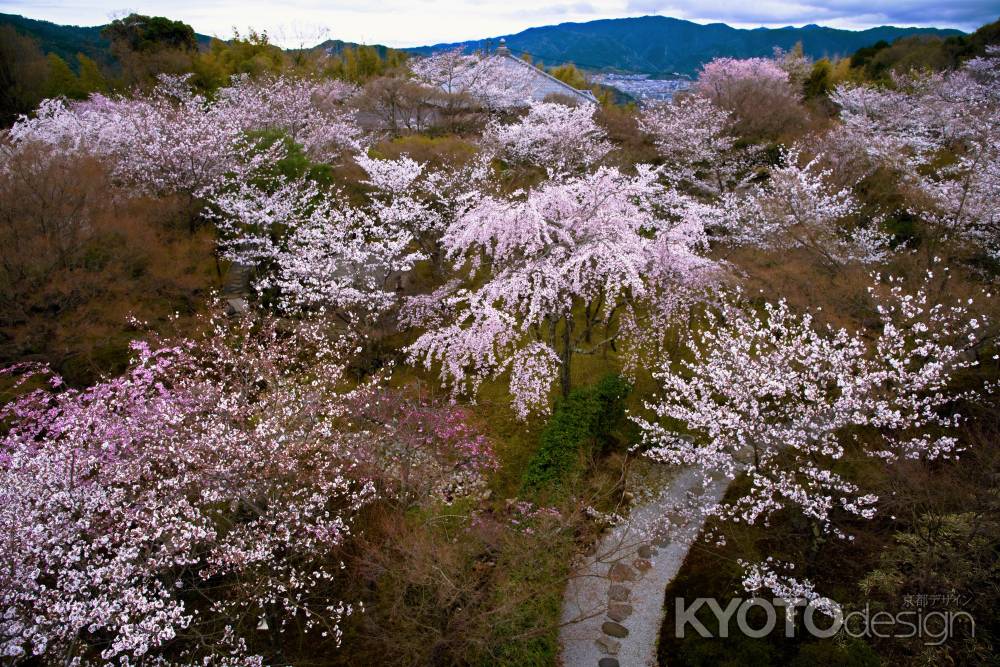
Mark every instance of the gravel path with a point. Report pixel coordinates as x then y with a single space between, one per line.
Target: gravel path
613 606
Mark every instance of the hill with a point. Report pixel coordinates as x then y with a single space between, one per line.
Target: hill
659 45
337 46
68 40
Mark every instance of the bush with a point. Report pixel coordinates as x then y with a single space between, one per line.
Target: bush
584 418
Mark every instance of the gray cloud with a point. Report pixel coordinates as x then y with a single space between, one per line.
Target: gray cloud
967 14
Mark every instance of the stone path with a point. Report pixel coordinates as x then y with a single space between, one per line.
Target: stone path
613 607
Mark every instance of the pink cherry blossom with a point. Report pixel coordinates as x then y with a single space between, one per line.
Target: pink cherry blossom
564 260
551 135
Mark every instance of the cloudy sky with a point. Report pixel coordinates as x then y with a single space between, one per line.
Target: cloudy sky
418 22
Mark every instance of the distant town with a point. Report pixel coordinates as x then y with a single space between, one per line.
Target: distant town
643 88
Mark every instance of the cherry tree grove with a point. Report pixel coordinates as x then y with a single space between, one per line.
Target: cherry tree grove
776 397
567 261
206 492
173 140
941 132
202 502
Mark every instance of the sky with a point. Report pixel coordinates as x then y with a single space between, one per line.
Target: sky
419 22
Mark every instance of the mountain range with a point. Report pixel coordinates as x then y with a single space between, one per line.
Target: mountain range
654 45
662 46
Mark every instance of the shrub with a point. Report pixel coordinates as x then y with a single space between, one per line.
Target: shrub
584 418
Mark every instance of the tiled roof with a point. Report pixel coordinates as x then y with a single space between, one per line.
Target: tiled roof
544 84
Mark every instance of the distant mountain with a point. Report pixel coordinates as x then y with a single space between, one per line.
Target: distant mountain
654 45
662 46
68 40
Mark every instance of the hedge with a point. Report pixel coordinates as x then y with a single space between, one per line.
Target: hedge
582 420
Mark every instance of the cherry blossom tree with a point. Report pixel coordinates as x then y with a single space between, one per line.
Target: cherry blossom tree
165 512
423 449
311 112
171 140
314 248
757 91
775 397
551 135
794 62
695 138
420 201
175 141
719 79
799 208
545 270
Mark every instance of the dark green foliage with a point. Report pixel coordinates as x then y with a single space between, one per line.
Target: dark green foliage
836 654
150 33
864 55
23 70
63 40
294 163
581 421
68 40
820 80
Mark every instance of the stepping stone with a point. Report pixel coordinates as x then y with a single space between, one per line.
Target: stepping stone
607 662
238 306
645 551
621 572
608 645
662 541
618 593
642 564
619 612
614 629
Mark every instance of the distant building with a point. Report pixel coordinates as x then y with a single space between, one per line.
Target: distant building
498 80
539 83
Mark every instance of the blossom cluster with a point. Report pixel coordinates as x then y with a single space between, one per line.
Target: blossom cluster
799 207
941 132
174 140
550 135
423 448
315 249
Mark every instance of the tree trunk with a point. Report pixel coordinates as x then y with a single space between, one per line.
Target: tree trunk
567 352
